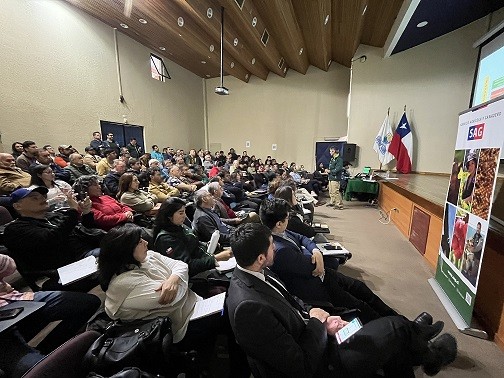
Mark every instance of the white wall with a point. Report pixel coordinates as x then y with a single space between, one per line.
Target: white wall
58 80
292 112
434 80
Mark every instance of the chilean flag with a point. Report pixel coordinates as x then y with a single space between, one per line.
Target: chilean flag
402 145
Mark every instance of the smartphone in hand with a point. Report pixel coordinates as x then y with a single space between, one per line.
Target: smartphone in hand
347 331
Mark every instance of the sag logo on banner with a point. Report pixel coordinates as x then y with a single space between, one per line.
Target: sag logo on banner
476 132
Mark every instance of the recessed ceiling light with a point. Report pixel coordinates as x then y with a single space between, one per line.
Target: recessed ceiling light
180 21
235 42
365 9
254 22
285 69
326 20
253 61
162 48
300 51
207 75
329 63
231 65
142 21
421 24
124 26
203 62
180 35
211 48
246 76
209 12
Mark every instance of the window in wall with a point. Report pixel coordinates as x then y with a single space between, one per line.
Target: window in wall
158 68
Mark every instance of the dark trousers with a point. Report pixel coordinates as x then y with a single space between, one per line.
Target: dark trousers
354 294
393 344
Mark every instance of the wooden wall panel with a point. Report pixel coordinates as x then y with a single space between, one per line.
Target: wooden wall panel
433 240
388 199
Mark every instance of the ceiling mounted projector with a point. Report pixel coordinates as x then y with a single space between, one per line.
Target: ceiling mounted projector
223 91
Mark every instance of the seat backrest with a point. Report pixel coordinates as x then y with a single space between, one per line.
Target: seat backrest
66 360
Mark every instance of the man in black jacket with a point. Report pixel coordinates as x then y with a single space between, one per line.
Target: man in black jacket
40 240
285 338
205 221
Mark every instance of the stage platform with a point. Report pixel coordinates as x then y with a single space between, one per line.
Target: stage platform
419 200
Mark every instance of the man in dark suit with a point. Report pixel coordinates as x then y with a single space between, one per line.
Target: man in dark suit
299 263
284 338
206 221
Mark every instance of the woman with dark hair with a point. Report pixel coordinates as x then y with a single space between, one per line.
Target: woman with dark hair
43 175
143 284
107 211
17 149
173 238
130 195
296 215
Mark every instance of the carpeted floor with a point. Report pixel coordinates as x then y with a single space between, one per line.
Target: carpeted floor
393 268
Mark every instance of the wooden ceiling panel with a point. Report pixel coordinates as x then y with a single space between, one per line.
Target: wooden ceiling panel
283 27
315 21
380 16
347 23
292 25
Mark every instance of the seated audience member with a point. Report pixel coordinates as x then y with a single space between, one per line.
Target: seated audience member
125 156
174 239
296 216
208 163
143 284
192 158
27 158
320 175
45 240
284 337
107 211
234 167
160 188
72 309
77 168
135 167
144 159
111 180
214 171
11 177
226 214
138 200
44 157
189 176
134 149
312 186
43 175
234 186
107 163
300 265
156 154
97 143
63 158
205 221
91 158
175 180
17 149
51 151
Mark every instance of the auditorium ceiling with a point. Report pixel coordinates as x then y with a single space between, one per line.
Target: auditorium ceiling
274 36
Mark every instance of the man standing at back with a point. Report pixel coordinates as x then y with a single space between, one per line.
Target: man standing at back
335 170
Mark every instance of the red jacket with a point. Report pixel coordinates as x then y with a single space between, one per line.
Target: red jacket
108 212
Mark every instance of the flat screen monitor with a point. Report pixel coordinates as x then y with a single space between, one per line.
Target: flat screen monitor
366 170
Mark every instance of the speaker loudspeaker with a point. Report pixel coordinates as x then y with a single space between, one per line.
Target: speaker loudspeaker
349 152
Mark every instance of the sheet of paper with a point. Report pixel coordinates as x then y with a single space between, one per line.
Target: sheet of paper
225 266
208 306
214 240
78 270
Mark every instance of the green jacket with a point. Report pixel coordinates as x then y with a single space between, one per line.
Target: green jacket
185 247
335 168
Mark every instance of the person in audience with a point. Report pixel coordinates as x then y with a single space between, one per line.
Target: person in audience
177 241
205 221
97 143
17 149
233 154
125 156
175 180
134 149
226 214
110 143
63 158
111 180
234 167
192 158
58 190
107 163
44 157
72 309
51 151
284 337
11 177
335 170
135 167
46 240
156 154
143 284
296 221
77 168
138 200
300 264
234 186
28 157
107 211
309 184
91 158
144 159
159 188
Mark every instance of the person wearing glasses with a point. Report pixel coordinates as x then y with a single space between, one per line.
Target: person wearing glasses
111 143
43 175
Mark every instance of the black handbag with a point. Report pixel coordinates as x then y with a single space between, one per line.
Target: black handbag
129 372
141 343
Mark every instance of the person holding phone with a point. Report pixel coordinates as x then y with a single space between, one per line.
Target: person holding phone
284 337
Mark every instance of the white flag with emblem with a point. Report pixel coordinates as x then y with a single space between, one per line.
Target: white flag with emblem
382 142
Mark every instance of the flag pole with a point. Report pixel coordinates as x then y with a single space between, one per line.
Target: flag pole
404 108
388 113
